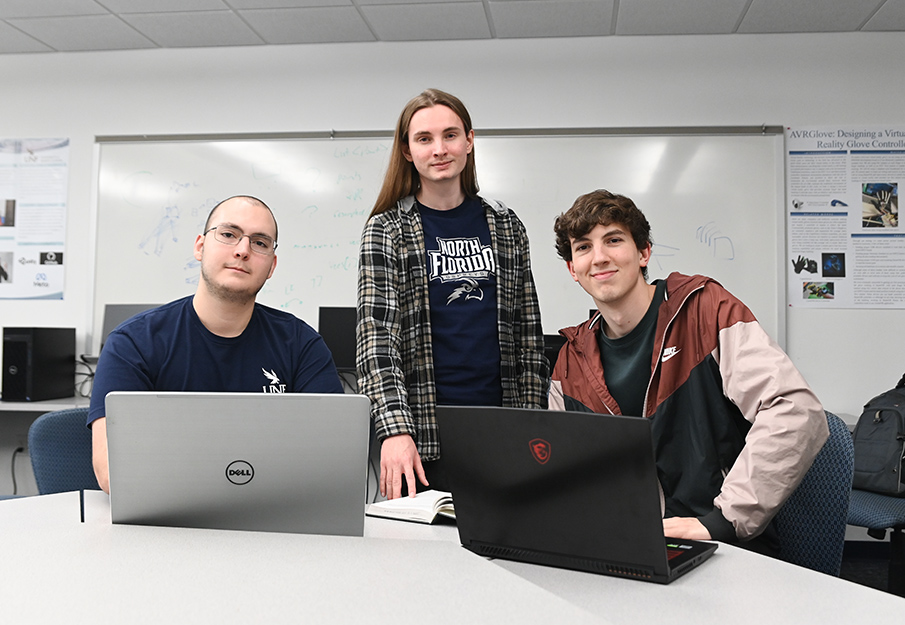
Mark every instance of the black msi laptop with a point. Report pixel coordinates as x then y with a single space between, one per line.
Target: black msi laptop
569 489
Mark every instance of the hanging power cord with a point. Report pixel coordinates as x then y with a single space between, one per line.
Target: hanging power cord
17 451
83 387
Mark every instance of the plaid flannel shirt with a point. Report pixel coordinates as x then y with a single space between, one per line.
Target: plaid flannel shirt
394 354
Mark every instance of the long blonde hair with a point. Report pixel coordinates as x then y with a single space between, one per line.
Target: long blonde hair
402 178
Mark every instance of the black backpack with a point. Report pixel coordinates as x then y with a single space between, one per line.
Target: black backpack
880 444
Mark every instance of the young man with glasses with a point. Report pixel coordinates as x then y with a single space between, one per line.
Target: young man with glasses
219 339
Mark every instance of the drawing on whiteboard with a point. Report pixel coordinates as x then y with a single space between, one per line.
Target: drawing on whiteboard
134 185
192 268
293 302
165 228
721 245
658 251
339 213
360 150
340 178
346 264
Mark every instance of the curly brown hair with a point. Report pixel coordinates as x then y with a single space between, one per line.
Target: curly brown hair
600 207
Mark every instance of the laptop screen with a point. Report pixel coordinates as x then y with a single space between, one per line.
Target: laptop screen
291 462
570 489
337 327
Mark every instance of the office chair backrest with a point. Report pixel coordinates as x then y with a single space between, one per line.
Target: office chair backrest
811 524
59 444
879 513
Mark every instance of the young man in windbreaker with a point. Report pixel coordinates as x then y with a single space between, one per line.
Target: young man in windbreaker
735 425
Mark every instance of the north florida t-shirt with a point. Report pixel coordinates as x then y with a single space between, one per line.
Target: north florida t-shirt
462 285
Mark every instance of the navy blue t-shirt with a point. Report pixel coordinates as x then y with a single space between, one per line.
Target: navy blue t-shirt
462 283
169 349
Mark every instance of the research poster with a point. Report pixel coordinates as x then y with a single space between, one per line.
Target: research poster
34 176
846 247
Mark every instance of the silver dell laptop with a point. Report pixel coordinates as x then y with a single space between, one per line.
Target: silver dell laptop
241 461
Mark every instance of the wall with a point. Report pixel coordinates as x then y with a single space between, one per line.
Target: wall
615 81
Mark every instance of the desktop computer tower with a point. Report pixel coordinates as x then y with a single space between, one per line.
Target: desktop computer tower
38 363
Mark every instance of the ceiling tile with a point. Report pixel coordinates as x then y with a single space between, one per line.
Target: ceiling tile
90 32
678 17
286 4
202 29
71 25
364 2
891 16
49 8
805 16
549 18
164 6
314 25
428 22
14 41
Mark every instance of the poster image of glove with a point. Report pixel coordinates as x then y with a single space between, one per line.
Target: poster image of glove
804 264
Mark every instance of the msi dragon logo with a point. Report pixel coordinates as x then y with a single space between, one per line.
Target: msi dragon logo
540 450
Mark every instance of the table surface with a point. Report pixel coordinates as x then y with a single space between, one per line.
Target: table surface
43 406
399 572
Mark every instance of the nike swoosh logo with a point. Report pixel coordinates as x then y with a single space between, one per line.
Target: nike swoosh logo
668 353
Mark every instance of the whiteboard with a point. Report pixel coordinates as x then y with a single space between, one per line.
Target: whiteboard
714 203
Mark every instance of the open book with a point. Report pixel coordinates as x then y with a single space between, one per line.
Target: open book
424 507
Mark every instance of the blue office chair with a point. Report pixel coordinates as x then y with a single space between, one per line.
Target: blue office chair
879 513
811 524
59 444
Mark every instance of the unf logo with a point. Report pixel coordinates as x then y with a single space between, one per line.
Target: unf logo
240 472
540 450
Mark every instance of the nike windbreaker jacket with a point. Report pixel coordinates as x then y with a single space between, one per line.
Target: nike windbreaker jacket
735 425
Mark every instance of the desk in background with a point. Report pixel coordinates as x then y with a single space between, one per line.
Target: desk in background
15 419
398 573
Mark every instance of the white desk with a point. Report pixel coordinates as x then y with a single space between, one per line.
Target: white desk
41 407
101 573
148 574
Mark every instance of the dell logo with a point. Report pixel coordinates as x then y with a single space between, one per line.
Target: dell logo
240 472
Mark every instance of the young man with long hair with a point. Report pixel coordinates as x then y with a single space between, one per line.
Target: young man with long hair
447 307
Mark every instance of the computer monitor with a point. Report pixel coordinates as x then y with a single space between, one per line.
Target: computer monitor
337 326
115 314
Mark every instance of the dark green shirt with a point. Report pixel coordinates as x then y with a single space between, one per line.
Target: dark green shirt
626 360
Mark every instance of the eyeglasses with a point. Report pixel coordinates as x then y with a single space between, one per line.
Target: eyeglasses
260 243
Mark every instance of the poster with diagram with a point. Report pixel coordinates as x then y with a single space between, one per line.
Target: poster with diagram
34 176
846 245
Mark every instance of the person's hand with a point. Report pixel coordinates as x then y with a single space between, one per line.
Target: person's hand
884 197
399 458
685 527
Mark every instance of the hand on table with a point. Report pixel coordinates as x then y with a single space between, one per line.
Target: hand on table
399 458
685 527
